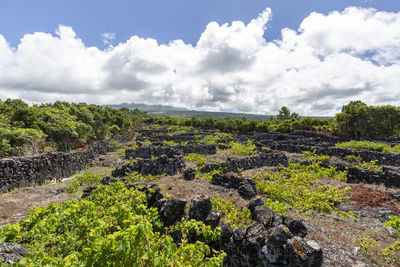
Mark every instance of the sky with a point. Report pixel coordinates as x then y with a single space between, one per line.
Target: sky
241 56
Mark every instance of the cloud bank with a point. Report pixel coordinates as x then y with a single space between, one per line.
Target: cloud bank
314 70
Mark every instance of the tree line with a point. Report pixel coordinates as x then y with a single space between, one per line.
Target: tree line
64 126
60 125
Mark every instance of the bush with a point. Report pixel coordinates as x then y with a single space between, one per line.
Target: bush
84 179
240 149
114 145
196 158
297 187
357 120
358 146
230 213
111 227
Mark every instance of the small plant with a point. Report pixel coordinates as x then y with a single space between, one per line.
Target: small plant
359 163
134 177
84 179
208 175
367 145
196 158
394 222
111 227
230 213
372 251
170 143
114 145
240 149
297 187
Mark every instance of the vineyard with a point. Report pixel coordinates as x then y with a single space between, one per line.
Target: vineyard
182 192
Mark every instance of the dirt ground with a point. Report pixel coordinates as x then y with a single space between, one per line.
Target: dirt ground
15 205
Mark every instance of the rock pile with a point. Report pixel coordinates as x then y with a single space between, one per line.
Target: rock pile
11 253
270 241
246 187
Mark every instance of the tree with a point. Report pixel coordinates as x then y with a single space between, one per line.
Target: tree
357 120
285 114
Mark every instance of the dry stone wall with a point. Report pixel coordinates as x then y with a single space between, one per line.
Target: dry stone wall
30 170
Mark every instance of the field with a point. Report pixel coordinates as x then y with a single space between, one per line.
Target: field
178 195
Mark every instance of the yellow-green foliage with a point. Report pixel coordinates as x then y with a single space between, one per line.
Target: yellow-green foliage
113 145
367 145
112 227
175 129
84 179
196 158
134 177
297 187
122 152
240 149
373 251
215 138
208 175
171 143
359 163
230 213
394 222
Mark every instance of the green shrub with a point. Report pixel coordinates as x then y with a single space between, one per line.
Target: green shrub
134 177
240 149
394 222
297 187
196 158
114 145
357 120
359 163
358 146
111 227
84 179
230 213
114 130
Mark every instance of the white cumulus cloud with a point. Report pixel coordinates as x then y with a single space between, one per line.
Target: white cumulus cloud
315 69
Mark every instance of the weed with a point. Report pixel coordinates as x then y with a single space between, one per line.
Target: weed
114 145
367 145
296 187
84 179
240 149
196 158
230 213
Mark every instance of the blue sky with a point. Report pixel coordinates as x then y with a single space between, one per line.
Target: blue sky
244 56
164 20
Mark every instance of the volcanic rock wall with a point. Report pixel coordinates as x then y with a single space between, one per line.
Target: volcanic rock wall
30 170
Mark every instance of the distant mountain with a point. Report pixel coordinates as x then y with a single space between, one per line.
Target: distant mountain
145 107
169 111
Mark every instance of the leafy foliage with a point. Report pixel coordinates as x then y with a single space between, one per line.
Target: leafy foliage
297 187
359 120
112 227
285 114
394 222
240 149
196 158
62 124
84 179
359 163
244 126
367 145
230 213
